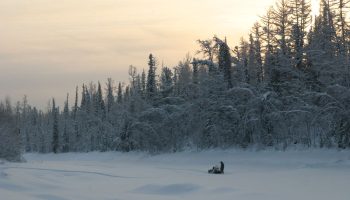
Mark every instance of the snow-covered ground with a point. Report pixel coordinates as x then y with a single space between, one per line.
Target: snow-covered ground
249 175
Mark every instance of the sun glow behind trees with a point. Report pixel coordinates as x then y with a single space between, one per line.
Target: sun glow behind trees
315 7
82 41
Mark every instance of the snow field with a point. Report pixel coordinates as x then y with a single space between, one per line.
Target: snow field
249 175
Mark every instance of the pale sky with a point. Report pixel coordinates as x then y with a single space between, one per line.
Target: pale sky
47 47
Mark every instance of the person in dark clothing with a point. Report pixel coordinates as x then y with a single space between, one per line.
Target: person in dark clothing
222 166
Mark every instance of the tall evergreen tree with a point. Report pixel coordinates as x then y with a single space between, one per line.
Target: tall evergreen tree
99 102
127 94
66 133
241 62
83 104
110 95
151 77
120 93
225 62
166 81
195 72
143 83
76 134
75 108
322 50
55 131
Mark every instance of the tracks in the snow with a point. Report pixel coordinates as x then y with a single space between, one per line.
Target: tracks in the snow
71 171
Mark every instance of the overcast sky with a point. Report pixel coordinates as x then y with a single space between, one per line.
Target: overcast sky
47 47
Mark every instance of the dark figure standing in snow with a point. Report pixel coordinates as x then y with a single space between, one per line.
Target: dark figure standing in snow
222 166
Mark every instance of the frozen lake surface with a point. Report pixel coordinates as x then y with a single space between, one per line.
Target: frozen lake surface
249 175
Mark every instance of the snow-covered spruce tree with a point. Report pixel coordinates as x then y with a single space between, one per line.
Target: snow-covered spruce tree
120 93
75 107
166 84
195 72
32 129
24 123
80 123
110 95
127 94
323 69
225 62
195 78
176 90
184 78
55 131
143 83
66 127
100 108
314 53
240 70
27 122
126 143
151 77
75 131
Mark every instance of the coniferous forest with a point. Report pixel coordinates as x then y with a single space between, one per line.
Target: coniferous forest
285 84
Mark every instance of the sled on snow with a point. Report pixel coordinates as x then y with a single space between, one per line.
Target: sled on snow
215 170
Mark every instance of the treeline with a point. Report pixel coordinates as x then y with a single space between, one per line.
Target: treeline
287 85
10 140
